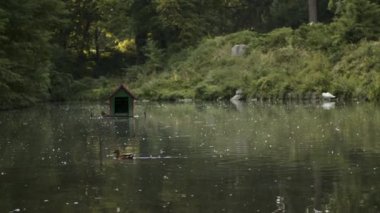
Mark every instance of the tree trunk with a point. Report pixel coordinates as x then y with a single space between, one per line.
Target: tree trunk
312 11
141 40
97 45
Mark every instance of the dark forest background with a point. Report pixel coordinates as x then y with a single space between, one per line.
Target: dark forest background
50 49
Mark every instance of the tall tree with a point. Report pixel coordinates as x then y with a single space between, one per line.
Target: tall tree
188 21
144 21
280 11
89 38
293 13
26 28
359 19
79 34
313 16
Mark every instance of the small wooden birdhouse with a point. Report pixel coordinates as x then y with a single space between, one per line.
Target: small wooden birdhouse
122 102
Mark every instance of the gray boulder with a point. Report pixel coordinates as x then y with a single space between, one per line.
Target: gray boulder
238 49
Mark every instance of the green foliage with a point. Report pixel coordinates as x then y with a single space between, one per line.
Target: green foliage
359 70
182 18
278 38
280 9
276 65
165 87
315 37
61 84
51 49
90 89
26 29
155 57
294 13
358 19
85 42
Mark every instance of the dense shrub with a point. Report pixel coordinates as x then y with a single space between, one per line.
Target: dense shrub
282 64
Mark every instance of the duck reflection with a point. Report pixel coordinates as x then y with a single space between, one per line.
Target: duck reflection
280 205
328 105
239 105
236 100
125 128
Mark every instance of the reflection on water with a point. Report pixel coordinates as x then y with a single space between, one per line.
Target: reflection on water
238 104
328 105
191 158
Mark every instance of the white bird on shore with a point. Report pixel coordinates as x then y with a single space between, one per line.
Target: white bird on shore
238 95
327 95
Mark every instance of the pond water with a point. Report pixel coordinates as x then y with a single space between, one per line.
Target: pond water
193 157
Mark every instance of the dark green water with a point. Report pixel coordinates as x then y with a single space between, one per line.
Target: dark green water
214 158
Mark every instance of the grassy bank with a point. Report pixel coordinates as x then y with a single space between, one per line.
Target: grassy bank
282 64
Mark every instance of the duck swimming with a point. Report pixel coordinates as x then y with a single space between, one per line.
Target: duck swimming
126 156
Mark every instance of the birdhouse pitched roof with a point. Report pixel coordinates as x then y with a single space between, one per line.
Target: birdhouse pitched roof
125 89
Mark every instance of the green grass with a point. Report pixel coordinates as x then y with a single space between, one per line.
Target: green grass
282 64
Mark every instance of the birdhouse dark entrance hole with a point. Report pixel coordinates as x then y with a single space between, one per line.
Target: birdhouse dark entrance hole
121 105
